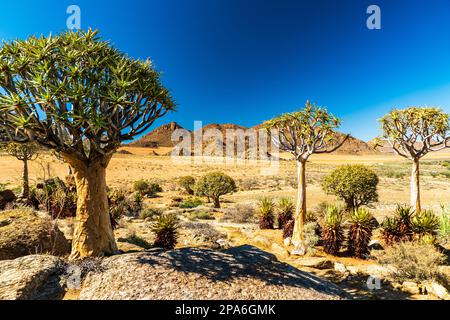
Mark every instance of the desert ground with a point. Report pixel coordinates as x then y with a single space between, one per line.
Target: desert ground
135 163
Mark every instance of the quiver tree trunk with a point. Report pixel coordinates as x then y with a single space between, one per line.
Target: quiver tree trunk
300 211
216 202
93 234
415 186
25 183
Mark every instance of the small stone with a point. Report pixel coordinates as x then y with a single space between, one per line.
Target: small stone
340 267
262 241
437 289
298 251
287 241
410 287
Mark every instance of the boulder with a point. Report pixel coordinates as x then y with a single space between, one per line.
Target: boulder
34 277
24 232
244 272
410 287
6 196
340 267
315 262
437 289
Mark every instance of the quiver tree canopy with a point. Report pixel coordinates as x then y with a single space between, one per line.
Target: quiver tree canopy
81 97
77 94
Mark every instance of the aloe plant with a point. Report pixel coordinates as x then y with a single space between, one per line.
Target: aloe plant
360 233
286 210
333 233
165 229
266 216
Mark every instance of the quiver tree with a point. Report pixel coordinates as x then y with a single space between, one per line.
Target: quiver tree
412 133
303 133
23 152
81 97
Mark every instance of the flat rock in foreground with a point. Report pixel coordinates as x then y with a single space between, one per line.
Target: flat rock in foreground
243 272
33 277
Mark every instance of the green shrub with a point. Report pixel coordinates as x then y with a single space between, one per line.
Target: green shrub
266 216
201 215
444 224
355 184
191 202
165 229
412 261
136 240
311 237
360 233
146 188
187 183
332 231
151 213
214 185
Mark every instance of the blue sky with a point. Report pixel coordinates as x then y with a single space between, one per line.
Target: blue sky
244 61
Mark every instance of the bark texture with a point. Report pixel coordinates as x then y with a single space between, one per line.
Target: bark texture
93 234
300 211
415 186
25 183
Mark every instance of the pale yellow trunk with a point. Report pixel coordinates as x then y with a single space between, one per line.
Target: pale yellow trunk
300 211
93 234
415 186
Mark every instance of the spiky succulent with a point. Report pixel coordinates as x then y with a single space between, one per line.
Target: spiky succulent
288 229
286 211
360 233
425 223
332 231
390 230
266 217
165 230
404 215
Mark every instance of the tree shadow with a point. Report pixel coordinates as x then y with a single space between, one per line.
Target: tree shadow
244 261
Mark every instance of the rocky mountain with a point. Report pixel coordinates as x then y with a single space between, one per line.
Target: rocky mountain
161 137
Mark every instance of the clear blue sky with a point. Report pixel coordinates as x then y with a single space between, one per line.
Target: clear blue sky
244 61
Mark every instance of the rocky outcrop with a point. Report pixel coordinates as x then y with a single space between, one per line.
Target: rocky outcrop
243 272
34 277
24 232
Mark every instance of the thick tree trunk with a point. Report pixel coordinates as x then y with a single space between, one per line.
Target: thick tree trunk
300 211
415 186
216 202
93 234
25 183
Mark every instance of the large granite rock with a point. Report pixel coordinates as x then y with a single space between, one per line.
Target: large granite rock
243 273
24 232
33 277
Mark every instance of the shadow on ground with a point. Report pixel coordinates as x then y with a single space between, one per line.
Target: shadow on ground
244 261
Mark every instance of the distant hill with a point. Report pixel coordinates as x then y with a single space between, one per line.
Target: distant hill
161 137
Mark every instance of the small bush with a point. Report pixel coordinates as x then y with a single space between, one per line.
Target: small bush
285 211
147 188
187 184
413 261
204 231
355 184
201 215
165 229
191 202
151 213
332 231
266 217
444 224
311 237
213 185
239 214
136 240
